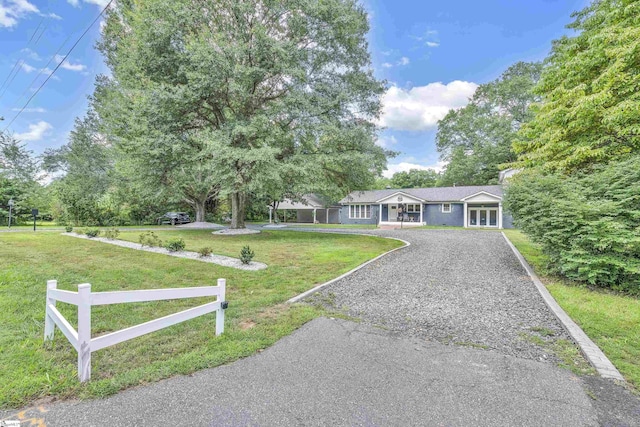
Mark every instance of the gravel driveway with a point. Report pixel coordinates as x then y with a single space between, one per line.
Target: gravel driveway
454 286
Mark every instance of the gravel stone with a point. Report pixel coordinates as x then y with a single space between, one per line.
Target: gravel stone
454 286
222 260
200 225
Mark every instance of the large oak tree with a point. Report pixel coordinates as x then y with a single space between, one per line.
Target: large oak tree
242 93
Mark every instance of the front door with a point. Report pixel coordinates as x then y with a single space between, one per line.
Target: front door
483 217
393 212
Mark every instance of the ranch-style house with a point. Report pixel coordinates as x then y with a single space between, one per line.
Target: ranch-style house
469 207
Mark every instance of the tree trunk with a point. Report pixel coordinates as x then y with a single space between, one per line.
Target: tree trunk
237 209
199 207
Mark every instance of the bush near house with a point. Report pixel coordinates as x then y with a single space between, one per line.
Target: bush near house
588 223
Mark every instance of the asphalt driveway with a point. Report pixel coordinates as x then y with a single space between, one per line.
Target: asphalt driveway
444 338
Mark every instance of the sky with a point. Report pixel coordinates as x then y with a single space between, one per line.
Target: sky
432 54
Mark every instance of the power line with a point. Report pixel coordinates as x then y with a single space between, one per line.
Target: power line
17 70
10 72
59 64
21 61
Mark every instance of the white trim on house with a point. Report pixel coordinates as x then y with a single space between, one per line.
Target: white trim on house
360 211
406 198
443 210
478 198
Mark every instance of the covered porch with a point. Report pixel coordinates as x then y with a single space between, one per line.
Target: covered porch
401 209
309 210
483 210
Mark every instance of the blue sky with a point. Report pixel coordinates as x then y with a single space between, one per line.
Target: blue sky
432 53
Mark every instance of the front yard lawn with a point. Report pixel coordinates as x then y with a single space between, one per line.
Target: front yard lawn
255 319
611 320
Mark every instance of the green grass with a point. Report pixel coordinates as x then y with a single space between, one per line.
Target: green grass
256 318
611 320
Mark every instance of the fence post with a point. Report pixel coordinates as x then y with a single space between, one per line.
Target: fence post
222 283
49 325
84 332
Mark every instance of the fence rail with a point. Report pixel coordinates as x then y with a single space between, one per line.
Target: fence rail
84 299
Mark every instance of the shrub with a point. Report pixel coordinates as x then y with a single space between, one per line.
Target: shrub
587 223
112 233
150 239
246 255
92 232
68 229
206 251
175 245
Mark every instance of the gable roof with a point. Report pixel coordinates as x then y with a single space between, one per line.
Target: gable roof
307 201
400 193
434 194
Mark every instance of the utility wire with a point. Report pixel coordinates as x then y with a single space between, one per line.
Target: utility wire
59 64
19 64
21 61
10 73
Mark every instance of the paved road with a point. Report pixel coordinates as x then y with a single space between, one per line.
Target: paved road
336 372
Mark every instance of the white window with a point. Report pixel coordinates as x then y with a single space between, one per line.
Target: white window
446 207
360 211
413 208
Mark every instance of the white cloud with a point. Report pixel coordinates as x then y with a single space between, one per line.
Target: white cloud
68 65
31 54
27 68
76 3
35 133
433 44
387 65
406 167
404 61
420 107
386 141
30 110
13 10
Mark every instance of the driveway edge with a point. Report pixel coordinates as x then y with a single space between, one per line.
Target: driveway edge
591 351
348 273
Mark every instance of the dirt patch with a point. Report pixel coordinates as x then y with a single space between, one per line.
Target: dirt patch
246 324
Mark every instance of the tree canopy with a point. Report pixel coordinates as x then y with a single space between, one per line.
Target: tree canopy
477 139
415 178
239 95
590 109
578 195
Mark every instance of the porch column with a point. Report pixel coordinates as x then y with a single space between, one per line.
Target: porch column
314 216
421 207
380 213
327 212
466 220
500 215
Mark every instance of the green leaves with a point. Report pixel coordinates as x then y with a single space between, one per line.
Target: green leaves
587 223
266 96
476 140
590 93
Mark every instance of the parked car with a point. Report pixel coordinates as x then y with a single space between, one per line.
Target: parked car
174 218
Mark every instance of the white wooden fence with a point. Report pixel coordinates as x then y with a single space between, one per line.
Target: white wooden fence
84 299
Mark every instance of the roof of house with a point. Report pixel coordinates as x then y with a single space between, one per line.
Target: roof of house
307 201
434 194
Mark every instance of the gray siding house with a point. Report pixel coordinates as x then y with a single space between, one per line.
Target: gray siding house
470 206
